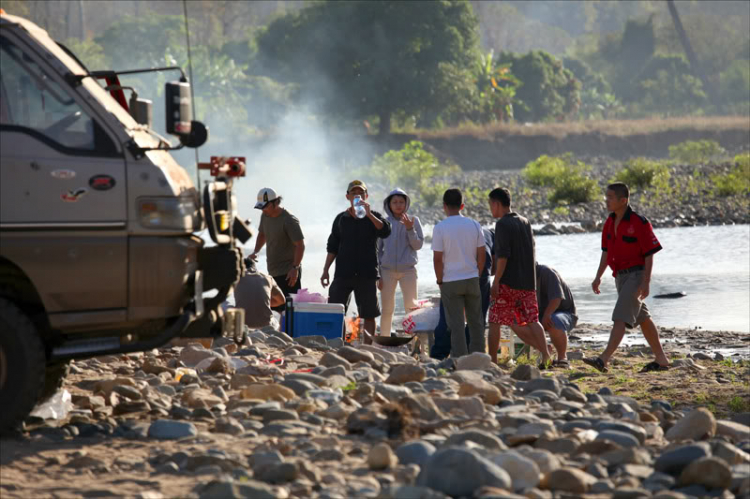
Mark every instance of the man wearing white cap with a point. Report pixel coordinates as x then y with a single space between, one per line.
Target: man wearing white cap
286 244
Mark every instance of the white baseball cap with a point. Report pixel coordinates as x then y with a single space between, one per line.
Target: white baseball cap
265 196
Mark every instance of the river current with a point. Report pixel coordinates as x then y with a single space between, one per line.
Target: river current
710 264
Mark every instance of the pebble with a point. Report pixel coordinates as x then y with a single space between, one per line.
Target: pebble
620 438
675 460
381 457
404 373
459 472
525 372
483 438
268 392
478 361
523 471
417 452
569 480
711 472
490 394
330 359
736 431
355 355
695 425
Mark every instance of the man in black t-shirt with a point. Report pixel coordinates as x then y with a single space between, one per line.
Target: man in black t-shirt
558 310
514 289
353 245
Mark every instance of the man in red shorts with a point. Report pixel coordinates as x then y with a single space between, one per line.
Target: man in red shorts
514 288
628 247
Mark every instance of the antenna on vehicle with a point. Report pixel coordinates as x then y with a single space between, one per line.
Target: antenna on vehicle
192 91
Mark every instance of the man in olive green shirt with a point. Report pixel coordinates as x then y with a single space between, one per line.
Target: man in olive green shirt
286 244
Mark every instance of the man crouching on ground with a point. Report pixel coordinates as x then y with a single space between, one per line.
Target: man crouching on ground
628 247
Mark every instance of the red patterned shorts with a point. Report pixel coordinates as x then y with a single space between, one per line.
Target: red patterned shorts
514 306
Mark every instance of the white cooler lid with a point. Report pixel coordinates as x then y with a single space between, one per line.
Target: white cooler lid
321 308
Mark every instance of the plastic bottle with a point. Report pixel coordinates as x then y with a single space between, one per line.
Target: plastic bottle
359 210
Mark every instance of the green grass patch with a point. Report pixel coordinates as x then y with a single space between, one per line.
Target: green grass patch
738 404
641 173
568 179
695 152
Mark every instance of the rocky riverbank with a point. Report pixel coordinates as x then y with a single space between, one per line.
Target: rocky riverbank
278 417
690 202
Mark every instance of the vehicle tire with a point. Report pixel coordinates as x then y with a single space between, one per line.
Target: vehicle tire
54 375
22 365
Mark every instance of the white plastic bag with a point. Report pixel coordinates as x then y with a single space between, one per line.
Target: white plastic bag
422 319
57 407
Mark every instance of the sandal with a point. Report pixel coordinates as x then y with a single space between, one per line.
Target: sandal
653 366
596 363
561 363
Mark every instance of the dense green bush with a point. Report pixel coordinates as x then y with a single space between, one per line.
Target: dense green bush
641 173
573 188
548 90
545 170
413 169
736 181
694 152
569 183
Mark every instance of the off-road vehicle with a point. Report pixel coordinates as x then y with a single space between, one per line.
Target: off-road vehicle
98 245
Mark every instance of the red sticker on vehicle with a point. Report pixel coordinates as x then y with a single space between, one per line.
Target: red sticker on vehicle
101 182
73 195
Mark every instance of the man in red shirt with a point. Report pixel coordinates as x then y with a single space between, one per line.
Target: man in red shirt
628 247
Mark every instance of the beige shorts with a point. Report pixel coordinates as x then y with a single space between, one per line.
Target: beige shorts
629 309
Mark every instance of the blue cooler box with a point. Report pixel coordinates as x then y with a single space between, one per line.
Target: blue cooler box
323 319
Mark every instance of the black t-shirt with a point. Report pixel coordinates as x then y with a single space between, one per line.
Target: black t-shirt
514 240
550 286
354 242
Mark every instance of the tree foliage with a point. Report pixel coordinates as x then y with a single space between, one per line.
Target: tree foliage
548 90
361 59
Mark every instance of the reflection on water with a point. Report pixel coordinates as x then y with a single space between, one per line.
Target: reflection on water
710 264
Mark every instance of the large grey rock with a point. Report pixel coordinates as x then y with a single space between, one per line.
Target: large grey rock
569 480
166 429
192 355
619 437
523 471
229 425
635 430
404 373
710 472
549 384
695 425
416 452
392 392
459 472
311 340
309 377
300 387
355 355
422 406
525 372
736 431
470 406
675 460
483 438
477 361
223 489
330 359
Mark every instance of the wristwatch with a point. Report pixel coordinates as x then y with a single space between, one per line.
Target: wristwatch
297 267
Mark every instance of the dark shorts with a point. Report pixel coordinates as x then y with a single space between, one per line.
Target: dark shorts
286 288
365 294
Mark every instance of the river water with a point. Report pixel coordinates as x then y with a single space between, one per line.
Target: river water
711 264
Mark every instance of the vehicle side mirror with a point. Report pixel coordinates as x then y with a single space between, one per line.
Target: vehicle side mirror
179 108
180 115
141 110
197 137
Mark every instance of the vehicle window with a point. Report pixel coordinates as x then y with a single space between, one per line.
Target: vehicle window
31 99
